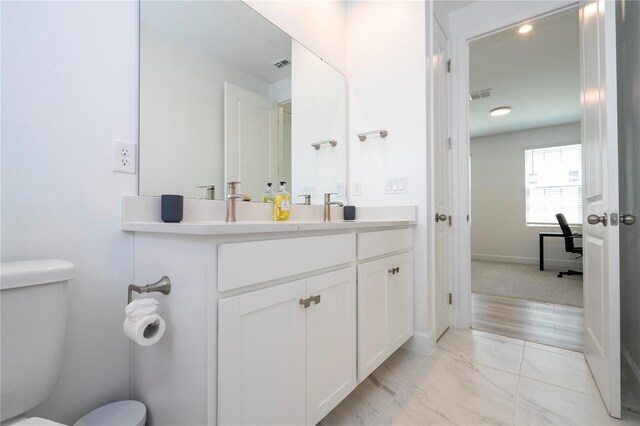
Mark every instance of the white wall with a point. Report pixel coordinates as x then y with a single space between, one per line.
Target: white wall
70 86
387 78
319 110
318 25
184 139
498 225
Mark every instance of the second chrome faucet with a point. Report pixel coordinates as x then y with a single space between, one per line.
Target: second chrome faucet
327 205
232 196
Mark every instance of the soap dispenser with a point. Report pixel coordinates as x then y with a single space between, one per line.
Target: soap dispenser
281 205
269 196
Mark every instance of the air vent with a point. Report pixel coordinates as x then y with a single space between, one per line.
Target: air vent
479 94
282 63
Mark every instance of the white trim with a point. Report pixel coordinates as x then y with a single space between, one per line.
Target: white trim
466 24
527 260
552 145
423 343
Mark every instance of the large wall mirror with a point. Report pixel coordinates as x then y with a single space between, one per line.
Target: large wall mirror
225 95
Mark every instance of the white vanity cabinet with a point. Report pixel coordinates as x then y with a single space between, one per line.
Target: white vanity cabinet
385 298
287 354
240 348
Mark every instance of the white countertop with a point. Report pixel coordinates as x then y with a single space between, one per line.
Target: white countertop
206 217
246 227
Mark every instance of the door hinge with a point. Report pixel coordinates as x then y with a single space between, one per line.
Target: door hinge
449 143
449 66
450 220
450 299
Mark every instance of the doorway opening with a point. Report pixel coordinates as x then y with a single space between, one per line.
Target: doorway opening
526 181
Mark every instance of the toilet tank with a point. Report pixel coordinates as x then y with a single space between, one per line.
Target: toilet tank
33 311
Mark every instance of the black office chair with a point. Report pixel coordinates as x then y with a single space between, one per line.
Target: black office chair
568 243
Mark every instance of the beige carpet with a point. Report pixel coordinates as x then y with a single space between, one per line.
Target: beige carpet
525 282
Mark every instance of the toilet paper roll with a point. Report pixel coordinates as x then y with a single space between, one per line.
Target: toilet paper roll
145 331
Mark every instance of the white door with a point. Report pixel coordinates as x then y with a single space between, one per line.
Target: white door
331 341
373 342
261 357
442 170
250 140
400 299
600 240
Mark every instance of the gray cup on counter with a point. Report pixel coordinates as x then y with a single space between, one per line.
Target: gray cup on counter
172 208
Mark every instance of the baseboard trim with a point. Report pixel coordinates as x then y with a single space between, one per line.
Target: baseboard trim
633 380
422 343
527 260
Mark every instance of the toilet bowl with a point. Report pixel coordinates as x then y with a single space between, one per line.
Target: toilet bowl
33 293
121 413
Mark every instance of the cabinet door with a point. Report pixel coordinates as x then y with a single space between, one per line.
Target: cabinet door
261 357
331 341
400 299
373 342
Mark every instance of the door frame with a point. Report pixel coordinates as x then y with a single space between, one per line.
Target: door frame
447 132
474 21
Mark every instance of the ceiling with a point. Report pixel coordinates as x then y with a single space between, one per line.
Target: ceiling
230 30
453 5
536 74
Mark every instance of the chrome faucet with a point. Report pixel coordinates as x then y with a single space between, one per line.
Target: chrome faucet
211 191
307 199
327 205
232 196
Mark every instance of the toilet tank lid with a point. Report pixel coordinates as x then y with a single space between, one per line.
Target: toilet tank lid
34 272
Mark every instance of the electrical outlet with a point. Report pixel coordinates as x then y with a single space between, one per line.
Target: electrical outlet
357 188
124 157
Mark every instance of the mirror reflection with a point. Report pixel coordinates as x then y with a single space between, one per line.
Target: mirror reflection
227 96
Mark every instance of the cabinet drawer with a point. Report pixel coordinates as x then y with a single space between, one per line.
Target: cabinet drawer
245 264
378 243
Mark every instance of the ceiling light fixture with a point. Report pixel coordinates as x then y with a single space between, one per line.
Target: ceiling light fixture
525 28
497 112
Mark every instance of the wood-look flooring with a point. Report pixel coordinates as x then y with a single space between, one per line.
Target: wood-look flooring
555 325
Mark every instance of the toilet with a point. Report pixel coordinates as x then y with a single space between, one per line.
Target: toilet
33 297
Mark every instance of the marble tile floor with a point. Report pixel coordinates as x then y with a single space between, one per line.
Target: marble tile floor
478 378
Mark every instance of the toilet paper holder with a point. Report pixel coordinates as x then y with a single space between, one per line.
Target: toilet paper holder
163 286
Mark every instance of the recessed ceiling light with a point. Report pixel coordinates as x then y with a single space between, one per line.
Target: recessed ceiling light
525 28
503 110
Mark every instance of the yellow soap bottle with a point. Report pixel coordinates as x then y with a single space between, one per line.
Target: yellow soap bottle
282 204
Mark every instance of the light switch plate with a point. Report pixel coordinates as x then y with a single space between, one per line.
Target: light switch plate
395 185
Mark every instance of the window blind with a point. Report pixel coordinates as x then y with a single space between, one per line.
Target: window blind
553 182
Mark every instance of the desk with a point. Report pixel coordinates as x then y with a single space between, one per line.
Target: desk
546 234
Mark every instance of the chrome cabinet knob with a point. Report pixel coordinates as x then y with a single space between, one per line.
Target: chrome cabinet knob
628 219
440 217
594 219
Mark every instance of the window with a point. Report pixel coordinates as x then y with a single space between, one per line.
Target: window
553 180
